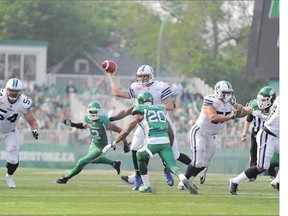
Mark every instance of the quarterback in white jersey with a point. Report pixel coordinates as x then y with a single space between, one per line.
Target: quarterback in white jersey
217 109
162 96
13 105
268 143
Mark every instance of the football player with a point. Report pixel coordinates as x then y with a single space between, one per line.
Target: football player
264 101
268 143
162 94
97 123
13 105
153 120
217 109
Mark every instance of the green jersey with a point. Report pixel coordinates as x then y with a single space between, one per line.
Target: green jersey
154 123
98 129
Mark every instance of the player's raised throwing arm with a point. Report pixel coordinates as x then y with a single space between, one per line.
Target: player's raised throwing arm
115 90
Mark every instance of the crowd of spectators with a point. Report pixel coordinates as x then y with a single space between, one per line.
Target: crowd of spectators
51 106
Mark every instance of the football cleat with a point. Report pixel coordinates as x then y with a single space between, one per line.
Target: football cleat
233 187
62 180
275 184
117 165
203 177
190 186
142 189
9 181
252 179
137 183
169 177
129 179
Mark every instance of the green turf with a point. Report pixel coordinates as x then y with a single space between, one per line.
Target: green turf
103 193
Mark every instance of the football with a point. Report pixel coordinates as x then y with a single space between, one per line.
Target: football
109 66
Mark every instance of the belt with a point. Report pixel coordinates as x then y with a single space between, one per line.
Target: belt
269 132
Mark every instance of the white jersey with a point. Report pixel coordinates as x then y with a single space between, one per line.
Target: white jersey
160 91
272 124
11 113
204 123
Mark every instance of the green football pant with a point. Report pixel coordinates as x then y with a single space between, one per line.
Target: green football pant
91 157
275 160
164 151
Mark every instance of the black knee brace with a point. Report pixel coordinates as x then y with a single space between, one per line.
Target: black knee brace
192 171
183 158
11 168
252 172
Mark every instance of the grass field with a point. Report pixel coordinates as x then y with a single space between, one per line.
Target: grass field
103 193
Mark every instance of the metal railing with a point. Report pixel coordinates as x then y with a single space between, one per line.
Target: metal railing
82 137
100 83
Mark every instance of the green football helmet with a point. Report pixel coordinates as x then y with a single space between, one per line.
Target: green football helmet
266 97
145 97
253 104
94 110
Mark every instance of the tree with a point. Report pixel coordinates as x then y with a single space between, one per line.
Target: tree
65 26
209 42
200 38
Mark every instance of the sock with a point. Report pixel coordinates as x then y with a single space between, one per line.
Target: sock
135 163
145 179
182 177
240 178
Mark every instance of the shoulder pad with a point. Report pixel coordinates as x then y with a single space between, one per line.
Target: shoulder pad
209 100
25 101
2 93
161 83
138 109
104 117
86 119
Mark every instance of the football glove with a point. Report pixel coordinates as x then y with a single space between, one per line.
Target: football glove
35 133
233 113
67 122
231 99
106 148
126 147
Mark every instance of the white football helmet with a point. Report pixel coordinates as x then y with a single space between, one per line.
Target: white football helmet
145 70
14 89
94 110
223 89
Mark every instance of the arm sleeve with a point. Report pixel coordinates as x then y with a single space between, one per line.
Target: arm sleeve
77 125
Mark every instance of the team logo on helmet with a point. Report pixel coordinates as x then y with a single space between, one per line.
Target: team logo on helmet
145 97
142 71
94 110
13 89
